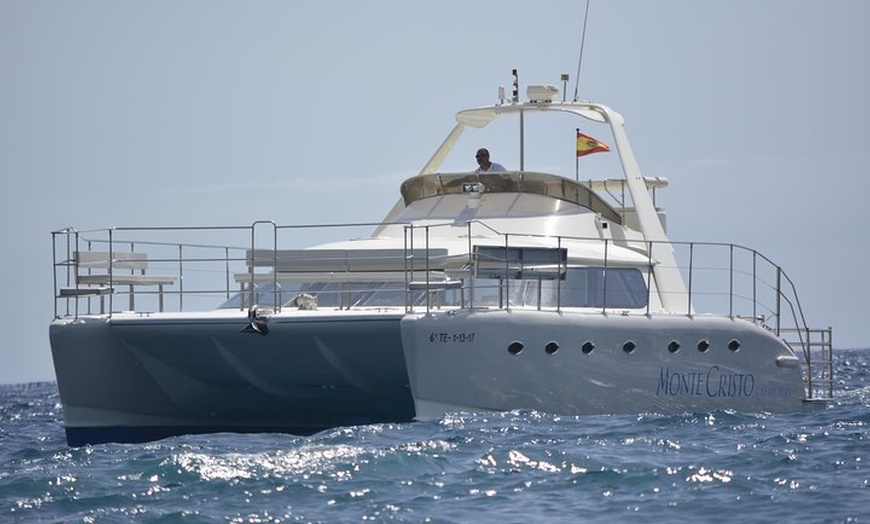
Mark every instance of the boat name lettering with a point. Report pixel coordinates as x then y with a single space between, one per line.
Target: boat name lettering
451 338
769 391
710 383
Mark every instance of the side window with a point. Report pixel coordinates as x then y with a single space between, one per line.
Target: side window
597 287
582 287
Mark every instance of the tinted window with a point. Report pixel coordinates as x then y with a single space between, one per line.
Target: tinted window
585 287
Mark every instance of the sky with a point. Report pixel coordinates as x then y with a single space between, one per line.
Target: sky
119 113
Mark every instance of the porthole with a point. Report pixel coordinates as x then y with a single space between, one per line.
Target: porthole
673 346
552 347
629 347
587 347
515 347
734 345
703 345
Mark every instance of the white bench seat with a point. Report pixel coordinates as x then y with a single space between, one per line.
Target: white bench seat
347 260
342 266
336 276
126 280
83 291
100 272
87 291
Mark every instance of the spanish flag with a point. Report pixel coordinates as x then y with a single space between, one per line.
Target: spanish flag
587 145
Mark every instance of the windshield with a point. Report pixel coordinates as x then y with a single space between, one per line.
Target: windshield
582 287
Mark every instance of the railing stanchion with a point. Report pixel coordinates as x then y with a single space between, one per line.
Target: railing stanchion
754 284
111 283
691 274
649 277
778 298
558 276
604 284
227 271
428 294
470 269
507 281
276 293
54 270
731 281
180 280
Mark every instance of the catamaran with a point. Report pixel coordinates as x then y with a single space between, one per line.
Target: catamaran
514 290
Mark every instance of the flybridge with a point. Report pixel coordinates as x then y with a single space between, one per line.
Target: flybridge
483 116
541 98
648 221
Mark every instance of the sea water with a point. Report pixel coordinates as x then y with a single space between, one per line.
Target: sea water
723 466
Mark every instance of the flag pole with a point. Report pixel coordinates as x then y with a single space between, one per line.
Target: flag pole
576 158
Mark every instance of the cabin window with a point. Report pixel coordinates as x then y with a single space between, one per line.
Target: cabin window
599 287
583 287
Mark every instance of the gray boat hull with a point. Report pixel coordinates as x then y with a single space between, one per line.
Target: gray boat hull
139 378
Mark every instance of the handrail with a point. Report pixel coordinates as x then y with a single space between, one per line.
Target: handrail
228 254
205 270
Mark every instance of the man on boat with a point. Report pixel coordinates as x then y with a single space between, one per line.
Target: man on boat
485 166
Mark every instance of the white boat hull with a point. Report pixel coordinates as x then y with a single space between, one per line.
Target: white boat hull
461 362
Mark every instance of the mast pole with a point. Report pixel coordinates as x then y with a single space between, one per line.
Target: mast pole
576 158
516 100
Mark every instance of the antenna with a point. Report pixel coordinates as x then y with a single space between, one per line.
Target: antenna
580 60
564 85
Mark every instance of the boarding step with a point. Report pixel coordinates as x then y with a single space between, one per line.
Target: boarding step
817 357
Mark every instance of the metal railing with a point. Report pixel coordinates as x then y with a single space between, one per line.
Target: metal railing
216 267
819 362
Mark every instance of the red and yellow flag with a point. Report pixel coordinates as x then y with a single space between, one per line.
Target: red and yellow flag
587 145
